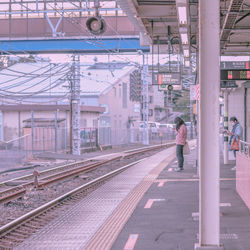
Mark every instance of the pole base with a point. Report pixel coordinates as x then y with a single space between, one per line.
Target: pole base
198 247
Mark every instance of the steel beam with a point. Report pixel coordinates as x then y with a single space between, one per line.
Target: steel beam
106 45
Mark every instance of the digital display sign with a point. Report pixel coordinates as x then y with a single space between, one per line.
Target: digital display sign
168 78
243 74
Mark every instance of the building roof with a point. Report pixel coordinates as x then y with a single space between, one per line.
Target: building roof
25 80
38 107
96 79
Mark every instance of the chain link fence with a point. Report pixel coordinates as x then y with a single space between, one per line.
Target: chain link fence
48 139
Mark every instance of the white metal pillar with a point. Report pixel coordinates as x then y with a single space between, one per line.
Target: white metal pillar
225 126
209 79
75 105
145 102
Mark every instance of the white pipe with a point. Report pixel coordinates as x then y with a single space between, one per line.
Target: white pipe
226 127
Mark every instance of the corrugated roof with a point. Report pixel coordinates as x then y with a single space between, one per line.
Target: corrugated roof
99 80
48 79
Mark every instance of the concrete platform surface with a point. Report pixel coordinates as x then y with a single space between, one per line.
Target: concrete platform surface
74 228
148 207
171 221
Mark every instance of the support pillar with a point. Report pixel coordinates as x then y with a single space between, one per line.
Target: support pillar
75 105
209 79
145 102
55 124
32 131
226 127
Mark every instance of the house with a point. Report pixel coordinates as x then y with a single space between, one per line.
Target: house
112 91
43 88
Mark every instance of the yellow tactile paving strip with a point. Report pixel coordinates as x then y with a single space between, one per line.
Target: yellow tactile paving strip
107 234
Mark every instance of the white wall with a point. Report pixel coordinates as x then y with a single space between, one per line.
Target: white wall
10 120
248 115
236 108
113 98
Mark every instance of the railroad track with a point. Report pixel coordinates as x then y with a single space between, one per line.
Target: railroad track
59 173
15 232
68 170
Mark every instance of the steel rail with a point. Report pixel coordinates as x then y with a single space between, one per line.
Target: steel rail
70 173
4 183
19 221
19 191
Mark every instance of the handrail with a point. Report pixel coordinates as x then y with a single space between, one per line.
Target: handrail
245 148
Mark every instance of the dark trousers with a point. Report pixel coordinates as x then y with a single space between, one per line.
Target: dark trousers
179 155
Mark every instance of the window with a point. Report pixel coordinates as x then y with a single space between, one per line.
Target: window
120 92
125 95
83 123
150 99
114 91
95 123
150 112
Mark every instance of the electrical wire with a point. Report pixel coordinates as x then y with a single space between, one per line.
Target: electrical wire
17 77
28 93
28 73
53 100
90 41
28 80
111 52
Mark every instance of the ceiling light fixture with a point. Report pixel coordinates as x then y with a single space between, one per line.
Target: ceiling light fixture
184 38
182 13
187 63
186 52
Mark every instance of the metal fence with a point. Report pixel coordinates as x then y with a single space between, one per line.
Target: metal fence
39 139
89 137
13 153
42 139
245 148
49 139
108 136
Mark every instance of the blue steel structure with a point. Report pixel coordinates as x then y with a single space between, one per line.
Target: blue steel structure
104 45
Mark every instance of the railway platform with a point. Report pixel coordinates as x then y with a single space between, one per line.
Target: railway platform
148 207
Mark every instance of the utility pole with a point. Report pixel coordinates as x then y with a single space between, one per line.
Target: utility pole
191 119
75 106
145 102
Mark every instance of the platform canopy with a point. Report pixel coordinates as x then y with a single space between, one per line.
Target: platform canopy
175 24
172 25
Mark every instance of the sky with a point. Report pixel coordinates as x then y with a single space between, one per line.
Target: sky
128 58
109 58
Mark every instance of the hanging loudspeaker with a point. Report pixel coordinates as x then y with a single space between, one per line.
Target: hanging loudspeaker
96 25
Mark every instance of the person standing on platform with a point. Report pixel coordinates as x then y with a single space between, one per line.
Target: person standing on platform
181 137
236 133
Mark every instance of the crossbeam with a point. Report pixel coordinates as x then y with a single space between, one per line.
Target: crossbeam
104 45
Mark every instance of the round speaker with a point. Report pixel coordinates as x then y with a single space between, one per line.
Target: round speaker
96 25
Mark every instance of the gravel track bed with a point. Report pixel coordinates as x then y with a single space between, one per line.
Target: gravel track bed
42 164
35 198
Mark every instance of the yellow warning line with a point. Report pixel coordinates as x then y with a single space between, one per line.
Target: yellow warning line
109 231
191 179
